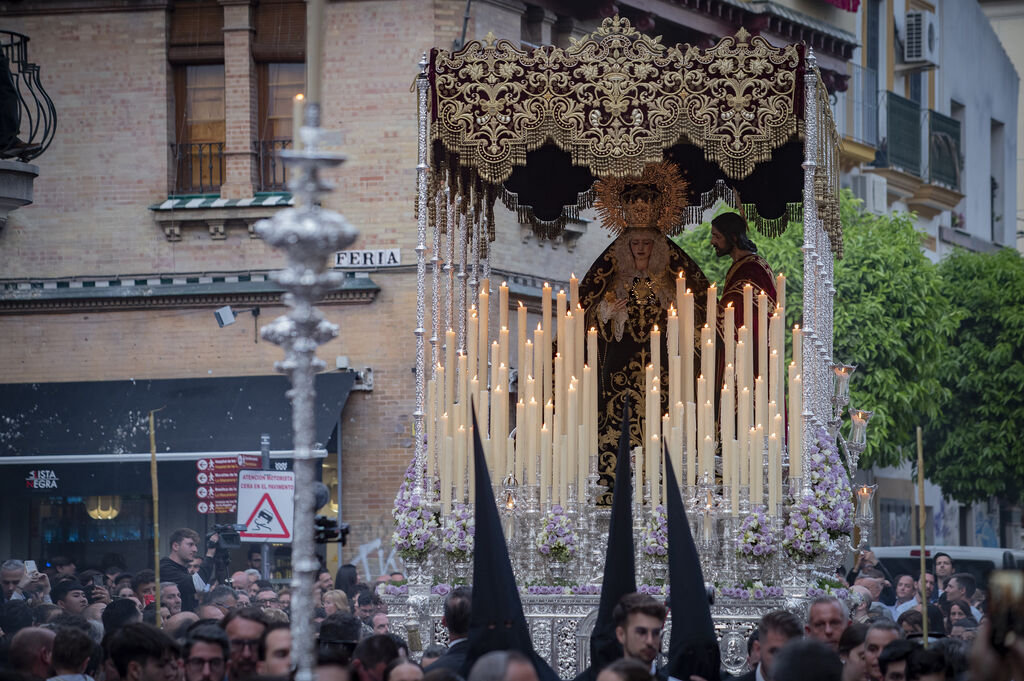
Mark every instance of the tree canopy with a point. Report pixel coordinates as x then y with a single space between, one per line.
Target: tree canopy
974 447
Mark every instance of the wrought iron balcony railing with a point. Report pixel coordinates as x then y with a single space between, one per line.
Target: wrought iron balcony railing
199 167
36 114
903 133
944 166
856 110
273 174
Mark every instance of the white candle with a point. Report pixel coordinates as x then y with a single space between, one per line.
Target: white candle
523 366
762 334
748 306
656 350
503 305
712 316
743 429
780 290
483 301
544 345
686 345
691 442
298 109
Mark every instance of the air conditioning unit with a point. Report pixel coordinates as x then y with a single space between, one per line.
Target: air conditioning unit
871 189
922 42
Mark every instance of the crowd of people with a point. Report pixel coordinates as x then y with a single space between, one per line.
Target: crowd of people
61 624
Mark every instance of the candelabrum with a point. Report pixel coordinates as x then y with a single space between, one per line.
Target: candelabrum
854 445
865 517
307 234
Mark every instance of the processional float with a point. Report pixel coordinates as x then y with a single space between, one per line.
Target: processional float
768 492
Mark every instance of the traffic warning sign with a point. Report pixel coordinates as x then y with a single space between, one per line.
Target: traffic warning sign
265 505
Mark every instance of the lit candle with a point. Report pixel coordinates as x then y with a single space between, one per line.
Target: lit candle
449 362
691 442
579 335
503 346
680 289
795 419
523 366
539 348
574 292
298 108
727 414
472 329
745 358
707 354
702 426
592 347
742 429
798 349
545 464
672 333
526 372
748 306
780 290
572 433
686 345
708 455
484 314
656 350
544 347
532 420
760 402
503 305
567 344
460 465
712 316
729 337
560 395
519 469
762 334
774 488
495 363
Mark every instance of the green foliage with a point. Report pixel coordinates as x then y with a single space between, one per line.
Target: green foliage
974 450
891 318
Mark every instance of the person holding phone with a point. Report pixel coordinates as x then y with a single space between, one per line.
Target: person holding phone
21 580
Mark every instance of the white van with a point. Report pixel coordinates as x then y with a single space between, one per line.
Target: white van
976 560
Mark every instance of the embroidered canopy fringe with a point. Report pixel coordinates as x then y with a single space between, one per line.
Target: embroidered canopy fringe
615 100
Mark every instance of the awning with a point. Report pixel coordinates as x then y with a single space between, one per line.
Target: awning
60 439
197 415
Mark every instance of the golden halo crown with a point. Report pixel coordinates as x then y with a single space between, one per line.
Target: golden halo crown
655 200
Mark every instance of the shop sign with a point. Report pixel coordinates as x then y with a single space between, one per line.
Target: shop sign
365 259
41 478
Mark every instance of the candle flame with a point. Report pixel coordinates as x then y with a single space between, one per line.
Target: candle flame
300 97
520 303
655 328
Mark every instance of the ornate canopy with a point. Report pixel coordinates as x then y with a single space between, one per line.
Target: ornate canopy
537 128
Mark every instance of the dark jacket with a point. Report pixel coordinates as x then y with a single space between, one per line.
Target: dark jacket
172 572
453 658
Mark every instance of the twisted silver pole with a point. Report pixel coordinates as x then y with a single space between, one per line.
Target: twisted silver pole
307 234
420 466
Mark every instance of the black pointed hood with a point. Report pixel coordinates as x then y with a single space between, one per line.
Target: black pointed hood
497 621
619 562
693 647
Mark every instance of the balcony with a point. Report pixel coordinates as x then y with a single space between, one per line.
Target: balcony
903 134
944 166
273 173
856 115
199 168
28 122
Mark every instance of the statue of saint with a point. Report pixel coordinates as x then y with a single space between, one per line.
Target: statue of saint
628 290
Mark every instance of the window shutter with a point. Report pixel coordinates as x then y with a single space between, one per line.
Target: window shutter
197 32
280 31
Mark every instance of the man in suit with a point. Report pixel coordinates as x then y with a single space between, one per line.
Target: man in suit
457 609
774 631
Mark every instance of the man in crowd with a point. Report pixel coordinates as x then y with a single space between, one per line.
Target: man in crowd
380 623
880 634
19 585
174 566
943 569
275 650
144 586
31 652
206 653
892 661
170 596
826 620
639 623
774 631
72 648
457 610
254 558
70 597
371 657
141 652
367 603
503 665
266 597
244 628
931 590
961 586
64 567
906 596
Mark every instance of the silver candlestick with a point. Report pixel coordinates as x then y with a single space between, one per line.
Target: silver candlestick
307 234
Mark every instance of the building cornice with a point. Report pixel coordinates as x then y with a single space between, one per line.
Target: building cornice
32 7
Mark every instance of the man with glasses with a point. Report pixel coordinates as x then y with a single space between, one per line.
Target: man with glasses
141 652
206 653
244 628
267 598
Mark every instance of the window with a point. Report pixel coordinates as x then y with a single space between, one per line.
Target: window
200 128
278 85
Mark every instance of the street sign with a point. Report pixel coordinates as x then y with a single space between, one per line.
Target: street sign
217 481
265 505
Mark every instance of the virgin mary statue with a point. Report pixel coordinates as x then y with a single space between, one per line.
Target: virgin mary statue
628 290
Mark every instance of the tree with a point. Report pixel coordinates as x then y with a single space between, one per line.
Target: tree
974 448
891 318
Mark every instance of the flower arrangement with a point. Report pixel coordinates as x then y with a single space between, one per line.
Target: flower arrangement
557 539
805 537
756 542
654 542
828 587
457 536
415 524
830 485
751 591
653 589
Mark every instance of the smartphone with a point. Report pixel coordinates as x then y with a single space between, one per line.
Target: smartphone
1005 607
97 580
30 566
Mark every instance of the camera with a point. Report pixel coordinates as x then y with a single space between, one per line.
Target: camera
228 536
